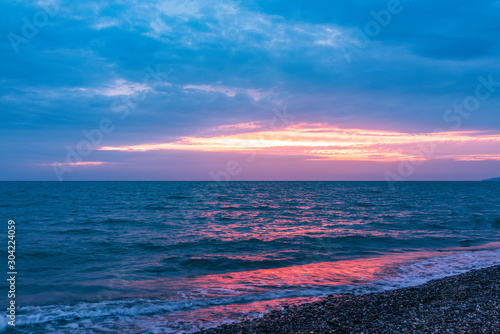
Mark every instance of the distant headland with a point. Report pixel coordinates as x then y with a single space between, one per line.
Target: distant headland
494 179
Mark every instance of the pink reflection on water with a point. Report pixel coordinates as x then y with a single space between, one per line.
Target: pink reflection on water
324 273
355 272
250 294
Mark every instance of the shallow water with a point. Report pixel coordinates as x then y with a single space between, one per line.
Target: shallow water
169 257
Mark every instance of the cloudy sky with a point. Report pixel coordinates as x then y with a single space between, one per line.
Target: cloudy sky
250 90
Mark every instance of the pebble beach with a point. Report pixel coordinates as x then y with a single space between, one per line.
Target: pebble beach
466 303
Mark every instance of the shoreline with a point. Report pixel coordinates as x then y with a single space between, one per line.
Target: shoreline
464 303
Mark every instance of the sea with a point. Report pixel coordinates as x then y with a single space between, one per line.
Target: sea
178 257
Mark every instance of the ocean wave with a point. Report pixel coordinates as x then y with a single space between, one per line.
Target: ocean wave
406 272
30 316
424 270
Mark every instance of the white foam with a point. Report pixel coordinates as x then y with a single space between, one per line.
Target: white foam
424 270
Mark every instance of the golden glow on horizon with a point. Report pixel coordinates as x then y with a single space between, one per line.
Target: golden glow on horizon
82 163
320 141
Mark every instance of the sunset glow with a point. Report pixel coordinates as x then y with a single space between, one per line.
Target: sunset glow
320 141
82 163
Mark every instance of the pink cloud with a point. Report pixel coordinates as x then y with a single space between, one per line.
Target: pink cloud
326 142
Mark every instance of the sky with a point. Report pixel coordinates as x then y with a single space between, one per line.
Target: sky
250 90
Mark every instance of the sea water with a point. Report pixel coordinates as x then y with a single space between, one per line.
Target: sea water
176 257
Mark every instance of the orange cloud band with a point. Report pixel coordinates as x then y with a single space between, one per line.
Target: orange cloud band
319 141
